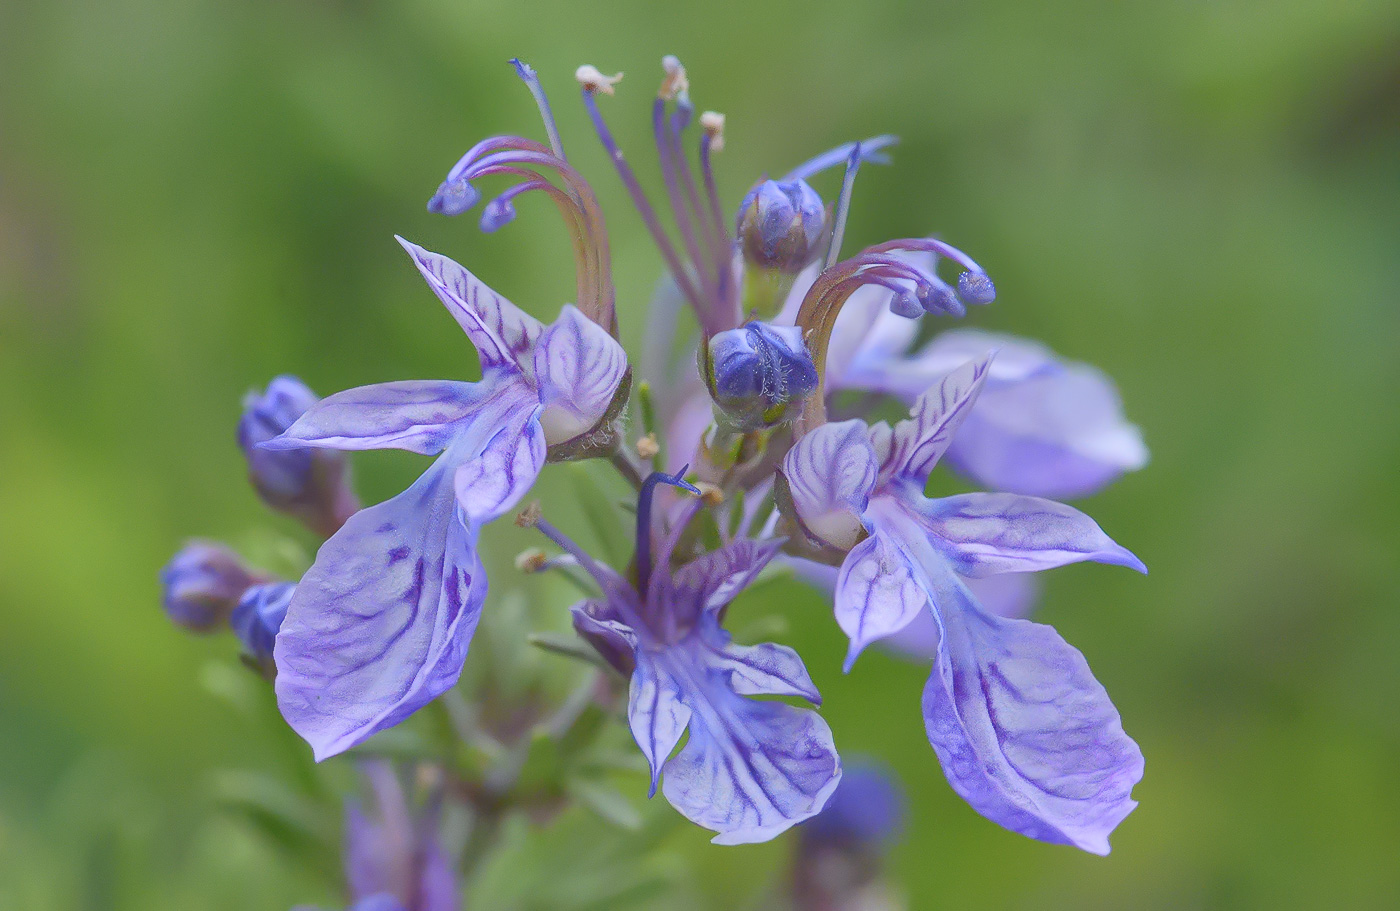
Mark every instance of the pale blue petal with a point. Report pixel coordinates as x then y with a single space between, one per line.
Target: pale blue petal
656 711
710 582
989 533
830 474
1024 732
917 444
492 481
877 594
765 669
1010 595
380 624
749 769
417 415
504 334
578 367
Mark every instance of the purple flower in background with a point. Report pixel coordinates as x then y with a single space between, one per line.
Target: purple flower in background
312 485
867 809
201 585
1042 426
750 769
380 624
1023 730
393 858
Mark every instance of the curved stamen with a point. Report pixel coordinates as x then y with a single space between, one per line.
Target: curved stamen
500 211
644 498
870 151
668 153
532 81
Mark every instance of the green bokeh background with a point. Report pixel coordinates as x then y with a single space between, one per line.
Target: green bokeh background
1203 198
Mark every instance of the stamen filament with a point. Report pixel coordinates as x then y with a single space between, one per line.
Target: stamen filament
668 155
644 498
843 207
532 81
870 151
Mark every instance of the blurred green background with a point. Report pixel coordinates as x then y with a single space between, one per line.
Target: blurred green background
1203 198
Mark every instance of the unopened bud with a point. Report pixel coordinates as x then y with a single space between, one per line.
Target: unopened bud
201 585
258 617
757 372
311 484
782 225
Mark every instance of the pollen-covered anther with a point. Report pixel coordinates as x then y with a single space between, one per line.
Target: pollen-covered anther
711 495
529 517
712 122
675 83
648 447
531 560
592 79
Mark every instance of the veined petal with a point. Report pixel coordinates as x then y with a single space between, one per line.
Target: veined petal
765 669
712 581
877 593
492 481
504 334
918 443
989 533
656 712
417 415
830 474
1024 732
578 367
380 624
749 770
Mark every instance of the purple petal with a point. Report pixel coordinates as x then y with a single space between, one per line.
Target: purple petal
1024 732
877 593
765 669
417 415
710 582
1010 595
918 443
990 533
830 474
749 770
656 712
577 367
504 334
1060 433
493 480
380 624
381 902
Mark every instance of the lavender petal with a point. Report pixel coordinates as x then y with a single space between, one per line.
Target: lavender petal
502 332
1024 732
493 479
577 367
918 443
417 415
380 624
989 533
877 593
656 712
830 474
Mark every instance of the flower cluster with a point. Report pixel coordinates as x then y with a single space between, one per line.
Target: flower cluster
765 458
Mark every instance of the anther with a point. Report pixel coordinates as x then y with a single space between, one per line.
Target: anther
593 80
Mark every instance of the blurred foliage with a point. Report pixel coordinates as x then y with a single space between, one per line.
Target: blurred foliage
1199 197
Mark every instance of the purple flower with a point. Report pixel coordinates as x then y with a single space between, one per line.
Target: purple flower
1023 730
750 769
866 810
201 585
380 624
311 485
1042 426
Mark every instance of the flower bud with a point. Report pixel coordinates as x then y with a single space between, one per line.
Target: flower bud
782 225
258 617
201 584
311 484
756 371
